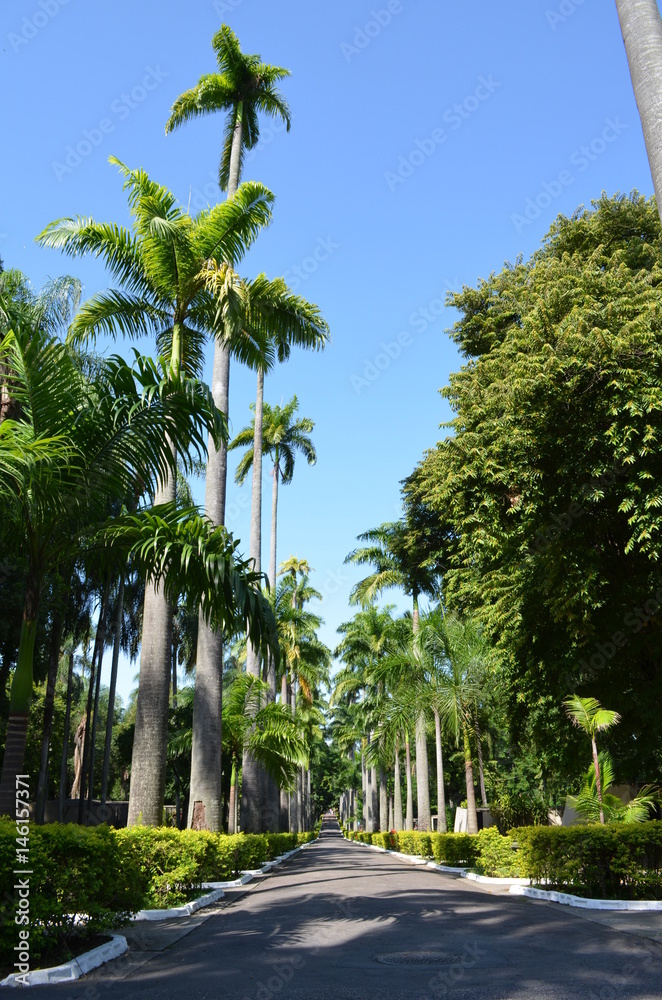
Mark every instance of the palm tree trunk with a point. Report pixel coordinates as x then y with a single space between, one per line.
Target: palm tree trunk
95 665
19 704
293 794
472 818
598 781
49 706
422 775
232 806
397 791
441 796
409 821
253 779
641 27
481 773
117 640
206 754
148 760
390 812
383 799
284 798
65 741
93 736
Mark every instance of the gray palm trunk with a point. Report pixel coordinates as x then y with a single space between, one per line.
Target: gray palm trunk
273 802
65 742
409 819
422 775
294 826
397 792
148 760
441 796
49 705
205 810
390 812
284 798
111 694
383 799
641 26
253 784
374 799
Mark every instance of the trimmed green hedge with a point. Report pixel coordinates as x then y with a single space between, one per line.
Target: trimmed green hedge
109 874
616 861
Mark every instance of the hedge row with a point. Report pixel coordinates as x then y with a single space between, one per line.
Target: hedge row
109 874
487 852
615 861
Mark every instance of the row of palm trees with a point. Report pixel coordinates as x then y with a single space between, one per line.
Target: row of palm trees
405 677
175 278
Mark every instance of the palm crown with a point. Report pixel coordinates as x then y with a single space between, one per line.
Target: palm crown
243 87
282 437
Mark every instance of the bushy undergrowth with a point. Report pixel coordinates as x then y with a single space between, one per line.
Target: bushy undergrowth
616 861
109 874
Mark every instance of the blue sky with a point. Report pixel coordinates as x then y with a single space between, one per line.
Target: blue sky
430 143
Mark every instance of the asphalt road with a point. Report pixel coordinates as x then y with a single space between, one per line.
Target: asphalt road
340 922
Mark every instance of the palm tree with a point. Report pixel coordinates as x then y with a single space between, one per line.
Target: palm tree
243 88
277 316
282 437
589 715
461 655
641 26
169 269
59 477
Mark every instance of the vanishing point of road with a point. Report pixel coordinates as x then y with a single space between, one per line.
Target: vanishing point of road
342 922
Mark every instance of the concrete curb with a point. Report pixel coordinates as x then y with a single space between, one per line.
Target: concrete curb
414 859
74 969
180 911
567 899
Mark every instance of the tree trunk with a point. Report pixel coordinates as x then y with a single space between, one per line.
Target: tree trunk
150 742
598 782
641 27
94 673
65 741
206 754
253 785
95 721
481 773
422 775
283 824
19 704
472 818
49 706
390 812
117 641
374 793
441 796
397 792
409 821
383 799
232 807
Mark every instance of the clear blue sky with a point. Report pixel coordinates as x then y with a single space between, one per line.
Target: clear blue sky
417 138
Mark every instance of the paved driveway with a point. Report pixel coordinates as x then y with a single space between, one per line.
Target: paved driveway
340 922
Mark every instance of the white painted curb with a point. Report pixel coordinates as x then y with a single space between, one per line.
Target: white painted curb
74 969
414 859
180 911
587 904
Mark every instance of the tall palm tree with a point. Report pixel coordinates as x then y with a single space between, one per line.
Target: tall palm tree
59 478
641 27
589 715
169 269
461 655
243 88
282 438
276 315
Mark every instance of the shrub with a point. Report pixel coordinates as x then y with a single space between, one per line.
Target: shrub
454 849
615 861
498 856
